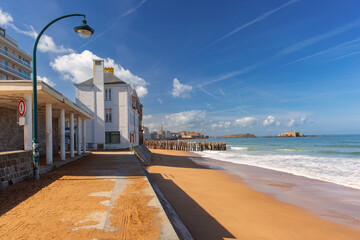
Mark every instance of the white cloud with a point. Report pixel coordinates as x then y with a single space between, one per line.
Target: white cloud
185 120
246 122
291 123
270 121
78 67
46 80
294 122
5 18
47 44
221 124
159 100
180 90
147 117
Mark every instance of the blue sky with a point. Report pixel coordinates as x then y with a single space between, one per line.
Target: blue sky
218 67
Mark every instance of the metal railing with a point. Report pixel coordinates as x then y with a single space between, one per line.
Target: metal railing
13 71
13 57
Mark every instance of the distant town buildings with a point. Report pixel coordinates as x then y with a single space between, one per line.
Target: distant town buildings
146 133
116 109
164 134
15 64
290 134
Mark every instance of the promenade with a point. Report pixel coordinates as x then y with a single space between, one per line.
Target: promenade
102 196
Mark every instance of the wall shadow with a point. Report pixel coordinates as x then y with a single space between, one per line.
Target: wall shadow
198 221
179 161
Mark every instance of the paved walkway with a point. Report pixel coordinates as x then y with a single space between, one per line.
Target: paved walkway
101 196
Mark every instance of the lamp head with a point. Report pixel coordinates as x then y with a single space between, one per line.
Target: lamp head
83 29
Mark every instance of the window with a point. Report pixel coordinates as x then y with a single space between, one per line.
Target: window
112 137
27 74
20 71
108 94
108 115
132 137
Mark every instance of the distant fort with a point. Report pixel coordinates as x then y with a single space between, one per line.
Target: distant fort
290 134
240 135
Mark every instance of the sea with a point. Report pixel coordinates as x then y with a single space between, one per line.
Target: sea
334 158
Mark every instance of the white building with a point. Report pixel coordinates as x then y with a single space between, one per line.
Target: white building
116 109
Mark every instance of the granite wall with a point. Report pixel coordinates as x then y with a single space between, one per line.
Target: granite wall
15 166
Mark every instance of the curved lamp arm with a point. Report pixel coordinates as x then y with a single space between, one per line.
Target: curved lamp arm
35 147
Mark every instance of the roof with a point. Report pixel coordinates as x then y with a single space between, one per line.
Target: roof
11 91
109 78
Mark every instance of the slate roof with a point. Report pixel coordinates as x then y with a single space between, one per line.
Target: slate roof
109 78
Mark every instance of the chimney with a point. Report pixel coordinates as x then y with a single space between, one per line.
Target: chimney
99 72
109 70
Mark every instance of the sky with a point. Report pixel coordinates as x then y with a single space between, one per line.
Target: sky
218 67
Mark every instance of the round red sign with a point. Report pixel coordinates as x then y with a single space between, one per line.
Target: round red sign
21 108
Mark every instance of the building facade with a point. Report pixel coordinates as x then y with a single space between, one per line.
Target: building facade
146 133
116 109
15 64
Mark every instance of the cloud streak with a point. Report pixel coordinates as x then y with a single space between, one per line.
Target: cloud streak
310 41
46 43
128 12
248 24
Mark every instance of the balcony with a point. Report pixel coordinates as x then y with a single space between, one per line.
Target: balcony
14 58
12 71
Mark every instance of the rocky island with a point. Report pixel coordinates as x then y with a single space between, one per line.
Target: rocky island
240 135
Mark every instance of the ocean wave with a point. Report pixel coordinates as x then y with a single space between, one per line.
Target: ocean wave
342 146
239 148
340 170
336 152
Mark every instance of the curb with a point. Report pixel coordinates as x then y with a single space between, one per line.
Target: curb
179 227
62 163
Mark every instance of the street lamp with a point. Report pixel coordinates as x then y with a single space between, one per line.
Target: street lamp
84 31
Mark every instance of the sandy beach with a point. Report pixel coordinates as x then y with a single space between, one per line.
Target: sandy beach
214 204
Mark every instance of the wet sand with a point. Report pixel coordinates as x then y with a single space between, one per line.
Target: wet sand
216 205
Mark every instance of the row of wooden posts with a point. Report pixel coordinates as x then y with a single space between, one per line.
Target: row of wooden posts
185 145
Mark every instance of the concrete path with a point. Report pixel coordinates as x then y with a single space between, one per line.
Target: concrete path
102 196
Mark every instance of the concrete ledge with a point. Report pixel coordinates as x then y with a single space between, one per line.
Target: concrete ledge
143 154
61 163
179 227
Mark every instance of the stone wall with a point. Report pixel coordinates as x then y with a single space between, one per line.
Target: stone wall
15 166
11 134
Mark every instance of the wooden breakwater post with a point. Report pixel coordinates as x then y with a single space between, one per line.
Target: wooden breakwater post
185 145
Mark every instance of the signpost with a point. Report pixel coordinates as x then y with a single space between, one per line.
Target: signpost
21 111
21 108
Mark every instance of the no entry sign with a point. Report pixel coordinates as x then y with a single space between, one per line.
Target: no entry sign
21 108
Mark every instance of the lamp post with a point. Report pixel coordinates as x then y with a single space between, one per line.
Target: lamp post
84 31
